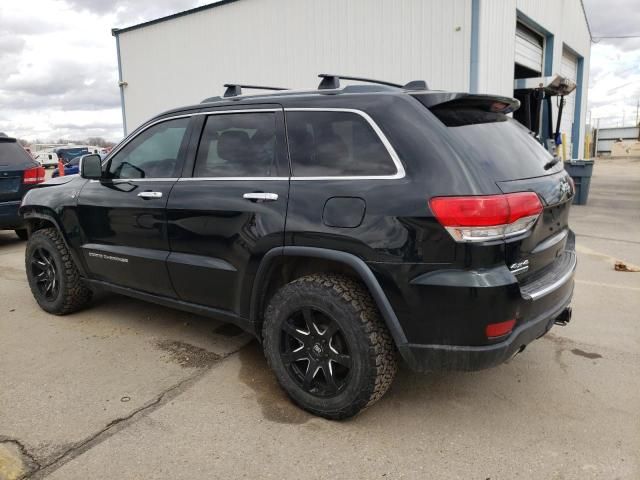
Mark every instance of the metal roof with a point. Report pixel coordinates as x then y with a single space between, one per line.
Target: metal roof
220 3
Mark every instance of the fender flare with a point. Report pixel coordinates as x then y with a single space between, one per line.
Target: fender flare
29 214
356 263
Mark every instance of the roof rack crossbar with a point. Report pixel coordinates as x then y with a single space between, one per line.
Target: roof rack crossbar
235 89
331 78
331 81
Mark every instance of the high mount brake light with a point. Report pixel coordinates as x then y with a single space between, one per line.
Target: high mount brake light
486 218
33 175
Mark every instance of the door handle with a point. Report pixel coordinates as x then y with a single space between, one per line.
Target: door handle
150 194
261 197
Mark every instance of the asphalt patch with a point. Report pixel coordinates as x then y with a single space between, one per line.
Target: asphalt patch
582 353
187 355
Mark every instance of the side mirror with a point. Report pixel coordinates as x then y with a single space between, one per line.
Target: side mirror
91 167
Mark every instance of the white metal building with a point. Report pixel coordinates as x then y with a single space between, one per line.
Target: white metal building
460 45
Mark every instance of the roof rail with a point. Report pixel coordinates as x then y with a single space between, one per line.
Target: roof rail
235 89
331 81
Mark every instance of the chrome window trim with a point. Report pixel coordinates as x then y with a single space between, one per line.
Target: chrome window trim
400 173
129 180
234 179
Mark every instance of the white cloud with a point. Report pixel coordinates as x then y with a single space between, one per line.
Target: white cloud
59 66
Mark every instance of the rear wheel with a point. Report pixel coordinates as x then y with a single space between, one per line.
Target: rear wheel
22 234
326 343
53 277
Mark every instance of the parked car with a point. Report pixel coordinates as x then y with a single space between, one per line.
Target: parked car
71 167
381 220
67 153
47 159
18 173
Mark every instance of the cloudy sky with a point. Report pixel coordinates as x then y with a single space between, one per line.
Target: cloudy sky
58 70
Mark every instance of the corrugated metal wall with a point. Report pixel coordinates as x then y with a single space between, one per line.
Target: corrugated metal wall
288 42
564 19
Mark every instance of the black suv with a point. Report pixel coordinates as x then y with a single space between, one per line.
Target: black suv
18 173
339 226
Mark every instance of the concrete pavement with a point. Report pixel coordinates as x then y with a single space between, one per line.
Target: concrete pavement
130 390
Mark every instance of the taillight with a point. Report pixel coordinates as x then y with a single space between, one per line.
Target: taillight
489 217
33 175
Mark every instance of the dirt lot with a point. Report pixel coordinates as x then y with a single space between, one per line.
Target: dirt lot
126 389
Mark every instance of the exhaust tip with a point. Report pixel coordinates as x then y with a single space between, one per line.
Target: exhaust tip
564 318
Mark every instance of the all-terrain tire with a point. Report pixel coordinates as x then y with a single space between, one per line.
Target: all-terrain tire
373 354
72 294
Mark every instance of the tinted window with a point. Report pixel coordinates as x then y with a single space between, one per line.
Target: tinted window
152 154
505 149
238 145
12 154
335 144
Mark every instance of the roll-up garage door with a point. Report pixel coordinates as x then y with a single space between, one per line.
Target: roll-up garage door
568 69
528 48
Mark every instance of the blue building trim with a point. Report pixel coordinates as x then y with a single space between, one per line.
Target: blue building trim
548 61
475 35
124 117
577 109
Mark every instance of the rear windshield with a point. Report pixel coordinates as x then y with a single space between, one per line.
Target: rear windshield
13 155
501 145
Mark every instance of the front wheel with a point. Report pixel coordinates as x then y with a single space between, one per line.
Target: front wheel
327 345
53 277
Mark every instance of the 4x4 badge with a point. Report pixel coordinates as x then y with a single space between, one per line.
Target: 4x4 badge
519 267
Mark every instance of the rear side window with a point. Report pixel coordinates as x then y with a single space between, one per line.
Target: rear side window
335 144
238 145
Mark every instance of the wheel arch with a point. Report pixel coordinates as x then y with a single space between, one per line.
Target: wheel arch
37 219
335 259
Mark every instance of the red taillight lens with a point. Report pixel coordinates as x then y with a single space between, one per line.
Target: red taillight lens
489 217
33 175
494 330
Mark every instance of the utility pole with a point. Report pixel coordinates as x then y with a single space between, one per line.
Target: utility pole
637 108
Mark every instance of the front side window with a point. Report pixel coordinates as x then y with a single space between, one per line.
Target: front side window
238 145
152 154
335 144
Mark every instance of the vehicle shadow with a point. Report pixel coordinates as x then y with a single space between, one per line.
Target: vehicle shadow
445 395
8 238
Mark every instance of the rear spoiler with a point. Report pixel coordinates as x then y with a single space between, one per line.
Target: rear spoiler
467 101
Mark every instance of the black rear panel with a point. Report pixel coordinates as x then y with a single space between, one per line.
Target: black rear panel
508 153
13 162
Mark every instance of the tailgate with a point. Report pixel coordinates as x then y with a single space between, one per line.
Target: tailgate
10 185
548 239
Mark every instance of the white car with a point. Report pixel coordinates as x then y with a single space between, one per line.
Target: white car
47 159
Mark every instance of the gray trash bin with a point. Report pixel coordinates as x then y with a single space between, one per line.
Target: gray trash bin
580 171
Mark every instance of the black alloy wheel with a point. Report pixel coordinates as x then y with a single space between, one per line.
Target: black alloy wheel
45 273
53 277
315 352
328 346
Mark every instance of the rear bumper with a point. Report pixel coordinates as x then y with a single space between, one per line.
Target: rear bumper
424 358
446 313
9 217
